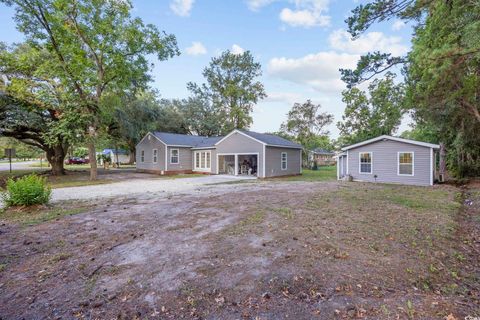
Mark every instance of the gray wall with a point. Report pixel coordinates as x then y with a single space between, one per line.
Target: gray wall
385 161
185 159
148 145
273 161
239 143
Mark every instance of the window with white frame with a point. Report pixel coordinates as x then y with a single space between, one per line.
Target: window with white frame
203 160
142 156
365 162
405 163
284 161
155 155
174 158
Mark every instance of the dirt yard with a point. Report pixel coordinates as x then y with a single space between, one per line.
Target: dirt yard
266 250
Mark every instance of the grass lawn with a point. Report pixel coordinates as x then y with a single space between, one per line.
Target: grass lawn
327 250
323 173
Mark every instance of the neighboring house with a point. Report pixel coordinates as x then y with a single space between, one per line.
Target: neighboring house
390 160
240 152
122 156
322 157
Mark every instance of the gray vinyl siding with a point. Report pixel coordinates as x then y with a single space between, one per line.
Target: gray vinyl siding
184 159
148 144
239 143
273 163
385 162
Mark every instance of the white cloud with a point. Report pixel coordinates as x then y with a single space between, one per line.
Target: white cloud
255 5
307 14
319 71
286 97
236 49
372 41
182 8
303 18
397 25
197 48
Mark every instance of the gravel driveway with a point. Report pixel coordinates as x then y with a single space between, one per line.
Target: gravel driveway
140 186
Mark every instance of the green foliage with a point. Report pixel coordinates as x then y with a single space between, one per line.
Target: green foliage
315 166
442 71
230 91
95 47
367 117
306 125
104 158
202 117
26 191
81 152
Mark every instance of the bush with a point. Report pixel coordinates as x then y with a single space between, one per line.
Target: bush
27 191
315 165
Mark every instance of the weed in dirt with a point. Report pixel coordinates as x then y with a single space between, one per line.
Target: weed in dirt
247 224
3 266
59 257
37 215
286 213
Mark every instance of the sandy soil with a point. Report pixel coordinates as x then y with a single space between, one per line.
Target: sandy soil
251 251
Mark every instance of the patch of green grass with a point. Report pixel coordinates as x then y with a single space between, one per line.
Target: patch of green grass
65 182
247 224
59 257
37 215
286 213
324 173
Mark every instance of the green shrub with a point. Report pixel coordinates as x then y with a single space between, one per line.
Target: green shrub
27 191
315 165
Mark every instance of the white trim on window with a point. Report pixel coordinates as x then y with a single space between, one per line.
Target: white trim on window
172 156
155 155
142 155
360 162
284 161
398 164
204 160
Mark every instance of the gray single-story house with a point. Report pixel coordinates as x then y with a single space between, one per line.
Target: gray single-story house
240 152
389 160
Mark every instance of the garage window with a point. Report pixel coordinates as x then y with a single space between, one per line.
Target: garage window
405 163
155 155
142 156
284 161
365 162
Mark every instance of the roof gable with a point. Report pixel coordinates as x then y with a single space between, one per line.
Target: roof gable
265 139
385 137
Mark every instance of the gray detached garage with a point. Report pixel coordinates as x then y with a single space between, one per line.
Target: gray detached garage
240 152
390 160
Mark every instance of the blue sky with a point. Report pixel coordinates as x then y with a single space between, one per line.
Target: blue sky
301 44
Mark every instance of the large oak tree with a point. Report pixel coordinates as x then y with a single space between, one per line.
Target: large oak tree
98 47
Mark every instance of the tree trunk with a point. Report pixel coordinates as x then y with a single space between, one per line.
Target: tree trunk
92 154
56 156
442 164
132 156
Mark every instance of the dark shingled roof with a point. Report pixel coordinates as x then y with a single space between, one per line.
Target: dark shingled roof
271 139
177 139
323 151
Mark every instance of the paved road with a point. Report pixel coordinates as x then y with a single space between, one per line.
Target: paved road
137 187
23 165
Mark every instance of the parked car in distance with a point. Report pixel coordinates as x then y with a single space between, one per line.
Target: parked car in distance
76 160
